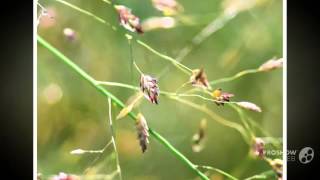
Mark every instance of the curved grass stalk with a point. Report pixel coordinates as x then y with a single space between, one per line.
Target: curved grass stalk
87 13
81 73
238 75
219 171
180 66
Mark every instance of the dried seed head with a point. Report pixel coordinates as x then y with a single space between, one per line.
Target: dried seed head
158 23
277 166
271 65
168 7
128 20
258 147
221 97
249 106
199 78
149 86
199 137
142 129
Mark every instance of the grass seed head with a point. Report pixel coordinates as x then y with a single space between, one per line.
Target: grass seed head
221 97
271 65
199 78
143 134
129 20
258 147
249 106
149 86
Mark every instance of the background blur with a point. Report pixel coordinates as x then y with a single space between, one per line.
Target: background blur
72 114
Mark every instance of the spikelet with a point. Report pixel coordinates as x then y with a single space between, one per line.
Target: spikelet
142 130
258 147
271 65
221 97
249 106
128 20
149 86
199 78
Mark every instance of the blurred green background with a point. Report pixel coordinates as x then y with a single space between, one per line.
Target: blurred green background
72 114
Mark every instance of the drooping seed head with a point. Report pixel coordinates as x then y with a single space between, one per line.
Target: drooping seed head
149 86
128 20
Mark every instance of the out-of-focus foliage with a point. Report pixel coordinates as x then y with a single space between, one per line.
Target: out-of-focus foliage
72 115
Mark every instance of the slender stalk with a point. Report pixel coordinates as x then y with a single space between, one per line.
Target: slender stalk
113 139
118 103
85 12
238 75
107 83
99 155
180 66
219 171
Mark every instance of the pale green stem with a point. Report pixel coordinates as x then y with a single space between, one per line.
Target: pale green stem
113 139
219 171
180 66
100 152
86 13
238 75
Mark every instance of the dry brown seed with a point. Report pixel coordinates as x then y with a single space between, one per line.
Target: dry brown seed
128 20
199 78
143 134
149 86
